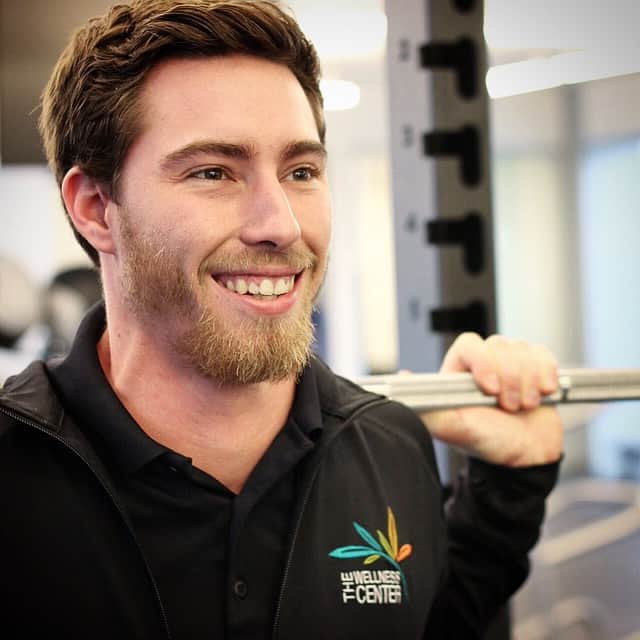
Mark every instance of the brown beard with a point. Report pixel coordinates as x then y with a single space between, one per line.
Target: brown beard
247 352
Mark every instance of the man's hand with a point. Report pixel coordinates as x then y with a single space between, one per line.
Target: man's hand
519 432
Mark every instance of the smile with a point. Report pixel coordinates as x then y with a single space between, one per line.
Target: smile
257 286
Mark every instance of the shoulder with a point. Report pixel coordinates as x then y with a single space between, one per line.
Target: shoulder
29 396
342 397
380 420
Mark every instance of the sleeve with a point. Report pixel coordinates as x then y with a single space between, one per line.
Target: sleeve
493 520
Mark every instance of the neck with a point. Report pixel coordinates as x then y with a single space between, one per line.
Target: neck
225 430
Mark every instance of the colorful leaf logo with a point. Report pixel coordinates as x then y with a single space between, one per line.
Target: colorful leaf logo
385 547
390 544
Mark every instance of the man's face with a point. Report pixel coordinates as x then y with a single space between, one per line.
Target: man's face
224 217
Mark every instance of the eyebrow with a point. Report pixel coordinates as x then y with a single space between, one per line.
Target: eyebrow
238 151
304 147
189 151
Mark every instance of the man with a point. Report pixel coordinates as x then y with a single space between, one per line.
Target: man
189 470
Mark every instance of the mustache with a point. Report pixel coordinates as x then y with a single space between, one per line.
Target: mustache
246 260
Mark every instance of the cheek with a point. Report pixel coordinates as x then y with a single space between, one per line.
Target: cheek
316 226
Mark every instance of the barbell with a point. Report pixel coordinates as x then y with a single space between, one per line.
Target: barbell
427 391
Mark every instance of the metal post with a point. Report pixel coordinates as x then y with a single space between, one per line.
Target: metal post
441 182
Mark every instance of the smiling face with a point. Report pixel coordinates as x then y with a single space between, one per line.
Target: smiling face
224 217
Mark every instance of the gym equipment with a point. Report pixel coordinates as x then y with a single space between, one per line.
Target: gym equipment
427 391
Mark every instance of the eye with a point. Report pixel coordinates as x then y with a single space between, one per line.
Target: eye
302 174
210 173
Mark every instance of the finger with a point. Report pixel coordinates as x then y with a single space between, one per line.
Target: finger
547 368
509 358
530 380
469 353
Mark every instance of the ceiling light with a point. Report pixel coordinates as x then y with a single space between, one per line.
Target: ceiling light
538 74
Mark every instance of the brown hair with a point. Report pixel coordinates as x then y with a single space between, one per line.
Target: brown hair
90 106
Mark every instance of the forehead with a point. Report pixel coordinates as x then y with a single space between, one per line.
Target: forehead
234 98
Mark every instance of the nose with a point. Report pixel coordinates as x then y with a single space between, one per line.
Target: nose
270 220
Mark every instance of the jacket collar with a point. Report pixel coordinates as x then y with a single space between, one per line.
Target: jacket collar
339 397
30 394
30 398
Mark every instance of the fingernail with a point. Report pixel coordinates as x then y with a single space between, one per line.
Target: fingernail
513 399
533 397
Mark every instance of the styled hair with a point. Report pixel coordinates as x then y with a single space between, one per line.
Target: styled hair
91 110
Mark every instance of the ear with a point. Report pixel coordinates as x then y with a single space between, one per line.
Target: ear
89 206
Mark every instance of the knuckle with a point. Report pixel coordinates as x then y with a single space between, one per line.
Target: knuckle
511 379
468 337
497 345
521 345
517 348
545 354
496 339
535 380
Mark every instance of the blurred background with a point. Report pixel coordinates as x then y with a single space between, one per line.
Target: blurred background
564 112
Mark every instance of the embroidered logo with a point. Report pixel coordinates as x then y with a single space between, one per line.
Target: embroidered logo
375 587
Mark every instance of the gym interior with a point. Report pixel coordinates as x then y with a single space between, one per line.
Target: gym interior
484 161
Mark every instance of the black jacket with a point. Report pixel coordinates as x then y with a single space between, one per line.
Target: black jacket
372 554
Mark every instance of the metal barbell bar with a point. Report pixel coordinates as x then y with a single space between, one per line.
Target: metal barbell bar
427 391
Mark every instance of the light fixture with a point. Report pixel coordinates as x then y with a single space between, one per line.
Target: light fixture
588 40
561 69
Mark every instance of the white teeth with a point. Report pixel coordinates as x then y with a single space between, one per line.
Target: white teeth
282 286
266 287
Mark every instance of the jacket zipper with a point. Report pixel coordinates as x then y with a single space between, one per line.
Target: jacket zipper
285 575
303 506
31 423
